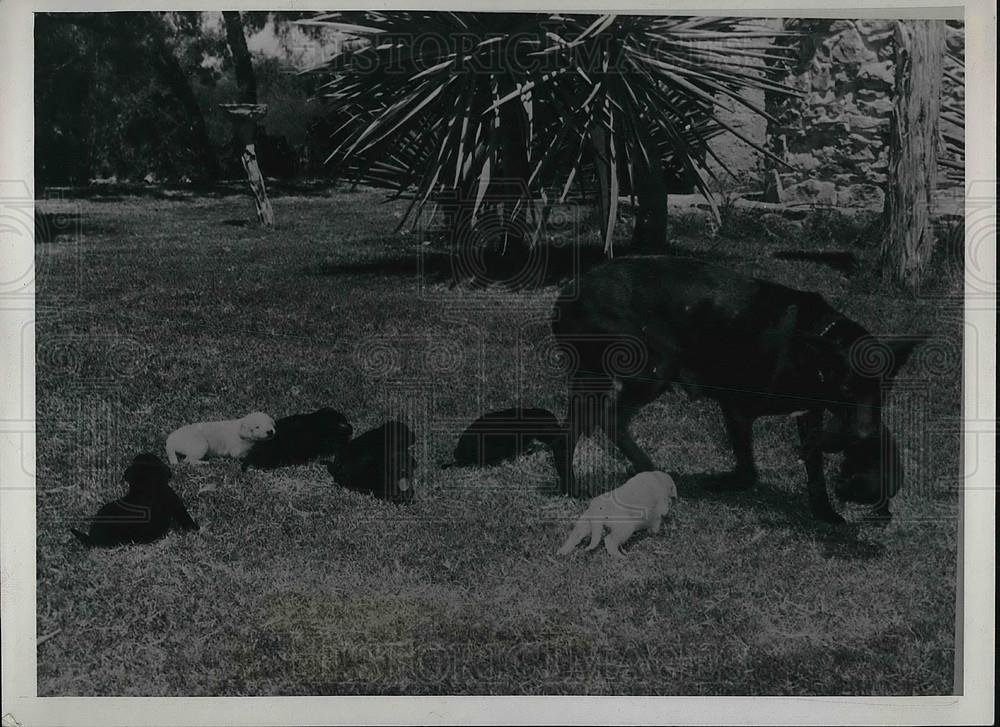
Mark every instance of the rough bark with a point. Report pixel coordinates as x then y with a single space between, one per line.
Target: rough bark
908 241
264 212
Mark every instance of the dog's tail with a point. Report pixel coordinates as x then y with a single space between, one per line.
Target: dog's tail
82 537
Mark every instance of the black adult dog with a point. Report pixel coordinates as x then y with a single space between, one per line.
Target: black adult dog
378 462
504 434
146 511
638 325
300 438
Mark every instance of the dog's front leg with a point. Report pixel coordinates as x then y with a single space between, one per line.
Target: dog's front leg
629 397
589 399
739 427
562 453
810 426
641 462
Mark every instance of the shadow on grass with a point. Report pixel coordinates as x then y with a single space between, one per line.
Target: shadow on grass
68 226
548 266
781 509
543 266
845 263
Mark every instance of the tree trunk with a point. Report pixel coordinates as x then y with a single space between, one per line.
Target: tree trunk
264 211
247 83
913 129
776 104
241 56
513 186
602 171
650 232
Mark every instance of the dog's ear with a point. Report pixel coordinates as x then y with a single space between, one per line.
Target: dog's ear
246 430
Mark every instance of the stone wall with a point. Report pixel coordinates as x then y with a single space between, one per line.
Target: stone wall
836 136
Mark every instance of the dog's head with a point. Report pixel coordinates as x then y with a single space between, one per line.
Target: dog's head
334 424
871 472
147 471
256 427
871 366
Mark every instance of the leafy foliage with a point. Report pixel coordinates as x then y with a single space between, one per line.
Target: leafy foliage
113 95
123 94
516 111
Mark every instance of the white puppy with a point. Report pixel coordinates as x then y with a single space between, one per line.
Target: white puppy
637 505
230 438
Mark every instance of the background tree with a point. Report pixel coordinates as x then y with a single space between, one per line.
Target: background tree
114 92
127 94
913 151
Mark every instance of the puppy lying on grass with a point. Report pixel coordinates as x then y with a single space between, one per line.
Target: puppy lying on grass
378 462
639 504
229 438
504 434
300 438
146 511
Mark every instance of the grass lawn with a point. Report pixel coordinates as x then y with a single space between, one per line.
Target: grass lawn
157 311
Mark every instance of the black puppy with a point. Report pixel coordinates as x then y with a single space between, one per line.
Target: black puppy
635 327
378 462
300 438
145 513
504 434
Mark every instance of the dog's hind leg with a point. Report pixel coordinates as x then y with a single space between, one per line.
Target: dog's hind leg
613 542
810 427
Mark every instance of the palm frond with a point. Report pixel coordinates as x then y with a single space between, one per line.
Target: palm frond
442 105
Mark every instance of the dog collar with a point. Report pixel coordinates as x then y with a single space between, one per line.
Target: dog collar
829 326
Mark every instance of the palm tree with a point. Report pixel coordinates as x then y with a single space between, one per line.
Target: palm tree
497 116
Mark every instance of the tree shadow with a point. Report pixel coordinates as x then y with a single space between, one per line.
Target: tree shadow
844 262
542 266
509 271
67 226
